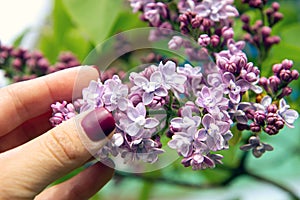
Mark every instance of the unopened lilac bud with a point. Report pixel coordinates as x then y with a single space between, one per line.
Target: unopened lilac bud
245 18
196 22
277 17
279 124
215 40
17 64
250 113
227 33
276 39
206 23
276 68
295 74
254 127
260 117
271 118
266 31
272 108
286 91
271 130
184 19
275 6
274 82
254 141
269 12
169 133
287 64
204 40
285 75
43 64
257 25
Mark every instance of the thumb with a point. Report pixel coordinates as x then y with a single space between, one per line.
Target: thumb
31 167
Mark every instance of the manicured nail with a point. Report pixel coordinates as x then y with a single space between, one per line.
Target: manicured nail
98 124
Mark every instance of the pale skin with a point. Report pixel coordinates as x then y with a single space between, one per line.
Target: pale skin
32 153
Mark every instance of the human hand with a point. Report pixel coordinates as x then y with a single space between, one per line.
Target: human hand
32 155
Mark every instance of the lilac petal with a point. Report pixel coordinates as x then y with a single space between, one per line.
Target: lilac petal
235 98
186 112
147 98
141 109
117 139
228 77
151 123
282 103
123 104
266 101
176 122
290 116
243 84
246 147
132 113
161 92
140 81
207 120
132 129
214 79
256 89
205 92
209 161
169 68
201 135
156 77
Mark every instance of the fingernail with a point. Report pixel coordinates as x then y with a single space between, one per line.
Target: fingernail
98 124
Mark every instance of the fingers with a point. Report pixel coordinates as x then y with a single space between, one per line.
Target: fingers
34 165
29 99
82 186
25 132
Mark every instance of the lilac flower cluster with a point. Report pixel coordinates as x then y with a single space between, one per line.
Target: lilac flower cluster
20 64
201 103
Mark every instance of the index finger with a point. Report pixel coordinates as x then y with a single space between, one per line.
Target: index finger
22 101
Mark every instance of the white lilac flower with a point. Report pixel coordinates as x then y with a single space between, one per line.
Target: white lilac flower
92 96
211 99
194 77
186 120
288 115
182 142
216 10
171 79
234 88
136 121
151 88
214 131
115 94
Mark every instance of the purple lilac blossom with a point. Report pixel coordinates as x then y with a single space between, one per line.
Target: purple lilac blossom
115 94
61 112
136 121
139 4
92 96
288 115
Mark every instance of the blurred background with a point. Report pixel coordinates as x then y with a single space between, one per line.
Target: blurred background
55 26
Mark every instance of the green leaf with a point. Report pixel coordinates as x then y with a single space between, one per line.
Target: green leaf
237 135
127 20
20 38
94 17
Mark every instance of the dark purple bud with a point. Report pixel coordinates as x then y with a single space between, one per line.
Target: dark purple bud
204 40
295 74
260 117
257 25
271 118
279 124
271 130
285 75
196 22
206 23
287 64
215 40
245 18
17 64
269 12
169 134
276 68
266 31
250 113
43 64
254 127
277 17
275 6
184 19
286 91
272 108
274 82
